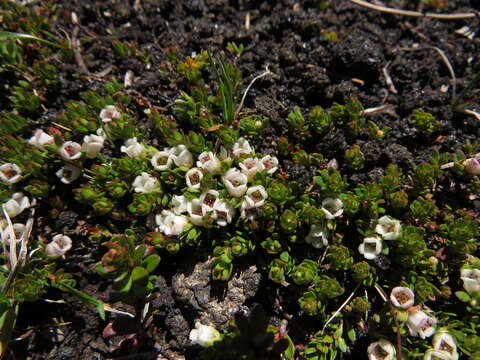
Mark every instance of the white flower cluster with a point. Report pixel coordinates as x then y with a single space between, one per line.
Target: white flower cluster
388 228
209 203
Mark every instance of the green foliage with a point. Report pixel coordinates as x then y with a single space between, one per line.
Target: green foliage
424 122
319 120
339 257
354 157
305 272
330 182
423 209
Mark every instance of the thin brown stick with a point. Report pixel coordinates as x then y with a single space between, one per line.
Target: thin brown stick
390 10
77 51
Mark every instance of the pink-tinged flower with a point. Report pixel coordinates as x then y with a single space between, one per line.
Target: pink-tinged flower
256 196
109 113
332 208
370 248
10 173
16 204
235 182
70 150
59 245
193 178
270 164
68 174
402 297
92 144
381 350
420 324
472 165
40 138
208 161
251 166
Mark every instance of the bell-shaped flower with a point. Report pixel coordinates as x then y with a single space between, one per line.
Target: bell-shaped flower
59 245
92 144
241 147
420 324
402 297
208 161
388 228
209 199
317 236
109 113
193 178
223 213
10 173
247 212
223 154
170 224
332 208
471 280
256 196
181 156
18 231
70 150
145 183
370 248
195 211
444 341
270 164
434 354
40 138
235 182
179 204
204 335
250 167
381 350
132 148
472 165
68 173
162 160
16 204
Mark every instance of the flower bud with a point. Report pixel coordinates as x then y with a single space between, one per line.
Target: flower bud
40 138
241 147
204 335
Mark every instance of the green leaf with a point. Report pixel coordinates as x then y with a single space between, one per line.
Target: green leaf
7 323
463 296
20 36
151 262
86 299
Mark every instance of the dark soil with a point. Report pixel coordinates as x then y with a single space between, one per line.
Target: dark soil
308 69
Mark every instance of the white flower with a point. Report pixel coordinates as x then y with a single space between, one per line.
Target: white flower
40 138
332 208
68 174
162 160
181 156
381 350
59 245
132 148
16 204
420 324
472 165
145 183
371 247
256 196
223 213
402 297
270 163
471 280
241 147
169 223
109 113
318 236
10 173
70 150
18 229
101 132
208 161
209 200
223 154
247 212
179 204
434 354
389 228
92 144
251 166
444 341
204 335
235 182
195 211
194 178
